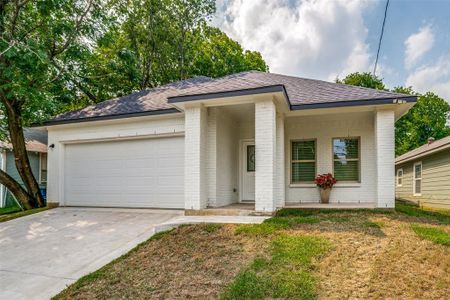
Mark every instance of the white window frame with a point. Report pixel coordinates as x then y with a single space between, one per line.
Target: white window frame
399 177
40 168
348 159
292 161
415 178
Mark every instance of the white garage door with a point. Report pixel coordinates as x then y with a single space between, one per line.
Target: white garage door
129 173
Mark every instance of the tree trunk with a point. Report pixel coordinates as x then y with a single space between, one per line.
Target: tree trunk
17 190
13 113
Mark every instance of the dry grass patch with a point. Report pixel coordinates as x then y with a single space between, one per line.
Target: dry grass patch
195 261
296 255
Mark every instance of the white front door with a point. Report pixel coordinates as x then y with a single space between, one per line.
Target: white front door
248 171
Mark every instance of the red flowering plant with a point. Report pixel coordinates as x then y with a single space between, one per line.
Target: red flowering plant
325 181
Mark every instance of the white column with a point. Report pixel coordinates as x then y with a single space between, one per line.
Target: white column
385 158
195 185
211 156
265 148
280 173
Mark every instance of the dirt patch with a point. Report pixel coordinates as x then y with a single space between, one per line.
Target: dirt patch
194 262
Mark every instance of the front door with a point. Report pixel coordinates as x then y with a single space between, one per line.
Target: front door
248 171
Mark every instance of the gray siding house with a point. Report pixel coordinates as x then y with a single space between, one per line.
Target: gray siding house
423 175
36 143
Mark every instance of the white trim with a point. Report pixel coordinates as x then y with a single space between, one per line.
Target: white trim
2 188
302 183
242 142
399 177
415 179
40 167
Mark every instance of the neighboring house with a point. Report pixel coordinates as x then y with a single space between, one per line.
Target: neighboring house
36 144
423 174
248 137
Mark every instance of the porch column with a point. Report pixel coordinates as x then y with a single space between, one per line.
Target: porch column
195 186
280 165
265 150
385 158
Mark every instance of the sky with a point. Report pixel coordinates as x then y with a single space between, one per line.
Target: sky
326 39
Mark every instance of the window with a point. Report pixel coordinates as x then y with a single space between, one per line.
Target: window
43 171
303 161
346 159
399 177
417 184
250 158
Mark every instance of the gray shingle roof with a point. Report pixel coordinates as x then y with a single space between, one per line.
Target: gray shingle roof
423 150
301 92
35 139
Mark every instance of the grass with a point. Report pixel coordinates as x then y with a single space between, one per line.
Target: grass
108 269
298 254
9 210
436 235
286 275
442 217
10 214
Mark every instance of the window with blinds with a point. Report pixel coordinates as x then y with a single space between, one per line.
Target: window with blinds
303 161
346 159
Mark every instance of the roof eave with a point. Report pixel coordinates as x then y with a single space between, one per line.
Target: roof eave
227 94
379 101
108 117
420 155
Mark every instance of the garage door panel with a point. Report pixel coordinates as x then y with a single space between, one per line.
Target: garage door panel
131 173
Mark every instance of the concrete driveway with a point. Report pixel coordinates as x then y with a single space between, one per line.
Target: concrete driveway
42 253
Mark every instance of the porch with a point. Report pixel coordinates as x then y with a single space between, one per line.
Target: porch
249 158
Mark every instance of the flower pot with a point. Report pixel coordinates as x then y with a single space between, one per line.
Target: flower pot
325 195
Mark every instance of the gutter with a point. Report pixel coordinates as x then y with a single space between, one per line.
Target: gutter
108 117
347 103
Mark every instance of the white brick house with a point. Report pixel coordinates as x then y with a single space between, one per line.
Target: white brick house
248 137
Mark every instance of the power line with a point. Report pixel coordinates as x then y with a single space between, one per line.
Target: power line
381 37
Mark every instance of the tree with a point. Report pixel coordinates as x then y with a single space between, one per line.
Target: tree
218 55
429 117
363 79
151 47
41 46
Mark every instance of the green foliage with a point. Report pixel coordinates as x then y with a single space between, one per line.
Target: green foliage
428 118
42 44
164 41
436 235
366 80
287 275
